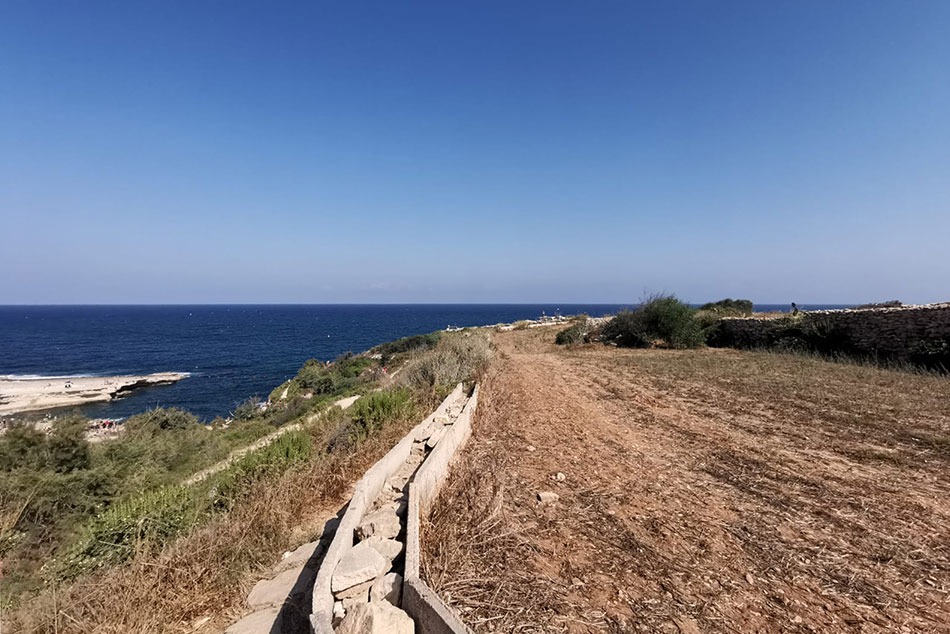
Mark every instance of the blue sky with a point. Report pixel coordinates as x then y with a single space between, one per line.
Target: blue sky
203 152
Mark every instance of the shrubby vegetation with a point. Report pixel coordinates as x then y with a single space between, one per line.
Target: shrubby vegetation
661 320
414 344
52 484
152 517
729 307
577 332
454 359
317 378
69 508
571 335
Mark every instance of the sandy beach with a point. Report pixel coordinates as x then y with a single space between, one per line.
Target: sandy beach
27 395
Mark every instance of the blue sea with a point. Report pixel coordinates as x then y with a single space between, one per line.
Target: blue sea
231 352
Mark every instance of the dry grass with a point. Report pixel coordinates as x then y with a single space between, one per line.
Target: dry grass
470 543
457 357
208 572
709 490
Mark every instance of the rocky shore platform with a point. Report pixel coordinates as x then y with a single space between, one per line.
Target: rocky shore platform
19 395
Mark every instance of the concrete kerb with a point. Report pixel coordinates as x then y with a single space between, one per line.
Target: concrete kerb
422 603
365 491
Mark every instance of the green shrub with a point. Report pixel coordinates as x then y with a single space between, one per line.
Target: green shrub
286 451
662 319
349 366
63 450
375 409
729 307
415 343
162 419
248 409
113 535
572 335
314 376
23 447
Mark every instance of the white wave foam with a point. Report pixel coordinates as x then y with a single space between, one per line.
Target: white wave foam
45 377
60 377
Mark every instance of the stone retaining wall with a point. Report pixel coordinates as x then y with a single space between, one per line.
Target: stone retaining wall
916 334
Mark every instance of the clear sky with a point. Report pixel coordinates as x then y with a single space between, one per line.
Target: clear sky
204 152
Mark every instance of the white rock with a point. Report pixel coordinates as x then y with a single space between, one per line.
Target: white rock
388 548
547 497
560 477
423 432
387 588
360 564
360 589
530 447
338 611
382 523
352 602
376 618
435 437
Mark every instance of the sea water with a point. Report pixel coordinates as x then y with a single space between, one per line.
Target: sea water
230 352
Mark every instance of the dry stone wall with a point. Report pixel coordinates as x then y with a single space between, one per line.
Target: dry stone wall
915 334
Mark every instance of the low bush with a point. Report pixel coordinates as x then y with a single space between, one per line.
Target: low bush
162 419
729 307
455 359
577 332
114 535
150 518
415 343
317 378
662 319
248 409
230 485
371 411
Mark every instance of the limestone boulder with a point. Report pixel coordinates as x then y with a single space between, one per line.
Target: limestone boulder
383 523
359 590
388 548
360 564
376 618
387 588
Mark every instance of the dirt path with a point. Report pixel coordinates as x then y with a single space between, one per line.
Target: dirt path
702 491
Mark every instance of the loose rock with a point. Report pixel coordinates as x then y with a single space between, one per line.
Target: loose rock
360 589
547 497
387 588
435 437
382 523
388 548
361 564
376 618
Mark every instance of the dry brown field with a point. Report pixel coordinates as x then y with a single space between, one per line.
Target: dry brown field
702 491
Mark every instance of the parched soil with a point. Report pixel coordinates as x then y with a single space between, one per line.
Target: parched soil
702 491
